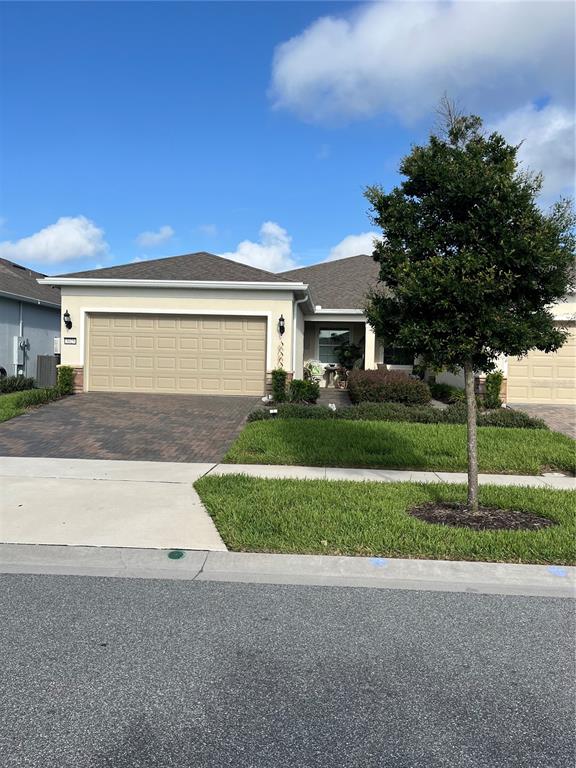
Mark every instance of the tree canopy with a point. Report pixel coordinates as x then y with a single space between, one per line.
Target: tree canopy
470 264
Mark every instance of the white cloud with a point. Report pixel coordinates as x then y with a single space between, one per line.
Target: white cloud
71 237
273 251
548 144
152 239
209 230
400 57
353 245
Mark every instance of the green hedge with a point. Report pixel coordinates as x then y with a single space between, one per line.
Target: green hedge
454 414
387 387
301 391
65 380
15 384
279 385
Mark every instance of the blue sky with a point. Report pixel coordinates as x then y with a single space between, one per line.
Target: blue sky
139 130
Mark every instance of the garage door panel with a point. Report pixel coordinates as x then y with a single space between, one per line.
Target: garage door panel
206 355
548 379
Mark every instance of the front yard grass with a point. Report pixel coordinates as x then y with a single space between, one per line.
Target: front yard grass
10 406
371 519
400 445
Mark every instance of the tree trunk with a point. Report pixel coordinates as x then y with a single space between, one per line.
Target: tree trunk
472 443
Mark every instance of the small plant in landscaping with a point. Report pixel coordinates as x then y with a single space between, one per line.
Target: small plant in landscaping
301 391
387 386
279 385
65 383
16 384
492 387
446 393
348 354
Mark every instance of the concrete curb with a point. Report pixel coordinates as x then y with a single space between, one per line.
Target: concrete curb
318 570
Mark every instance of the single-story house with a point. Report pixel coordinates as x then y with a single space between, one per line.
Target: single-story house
203 324
29 319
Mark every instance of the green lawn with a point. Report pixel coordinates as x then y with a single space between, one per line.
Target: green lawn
9 406
400 445
352 518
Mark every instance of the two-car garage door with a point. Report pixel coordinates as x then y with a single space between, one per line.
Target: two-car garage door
185 354
545 379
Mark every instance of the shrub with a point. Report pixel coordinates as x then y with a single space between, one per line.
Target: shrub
15 384
279 385
294 411
301 391
65 380
36 397
387 386
492 387
505 417
422 414
446 393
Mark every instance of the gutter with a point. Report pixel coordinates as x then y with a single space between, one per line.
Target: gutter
93 282
29 299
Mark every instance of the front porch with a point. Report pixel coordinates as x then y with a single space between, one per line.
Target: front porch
323 340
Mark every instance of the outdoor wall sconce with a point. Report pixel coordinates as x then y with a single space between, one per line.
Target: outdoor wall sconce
67 320
281 325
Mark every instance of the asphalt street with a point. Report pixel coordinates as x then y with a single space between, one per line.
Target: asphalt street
134 673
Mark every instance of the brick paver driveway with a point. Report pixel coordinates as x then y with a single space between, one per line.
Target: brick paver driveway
128 426
560 418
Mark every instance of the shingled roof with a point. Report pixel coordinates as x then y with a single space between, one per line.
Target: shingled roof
339 284
192 266
20 282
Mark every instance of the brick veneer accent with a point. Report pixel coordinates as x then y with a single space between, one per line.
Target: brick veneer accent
78 379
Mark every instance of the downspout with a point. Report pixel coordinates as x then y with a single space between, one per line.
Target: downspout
20 335
294 324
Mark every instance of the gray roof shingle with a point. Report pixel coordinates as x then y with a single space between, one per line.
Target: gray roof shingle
21 281
339 284
191 266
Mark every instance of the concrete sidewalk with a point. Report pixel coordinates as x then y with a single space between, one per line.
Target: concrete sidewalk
320 570
104 503
558 482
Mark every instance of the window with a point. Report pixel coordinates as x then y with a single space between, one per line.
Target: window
328 342
398 356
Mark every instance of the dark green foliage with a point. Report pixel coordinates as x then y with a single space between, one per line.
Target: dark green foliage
387 386
293 411
301 391
447 393
348 354
279 385
492 386
36 397
15 384
65 380
422 414
469 262
506 417
398 412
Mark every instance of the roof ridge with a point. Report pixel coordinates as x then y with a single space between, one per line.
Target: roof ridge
324 263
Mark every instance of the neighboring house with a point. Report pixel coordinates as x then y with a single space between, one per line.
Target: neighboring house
203 324
29 318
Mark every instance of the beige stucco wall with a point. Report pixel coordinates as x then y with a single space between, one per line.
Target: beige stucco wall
80 301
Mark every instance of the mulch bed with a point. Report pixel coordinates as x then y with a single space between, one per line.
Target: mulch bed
486 519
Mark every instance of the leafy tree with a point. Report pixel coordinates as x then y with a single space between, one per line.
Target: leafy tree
469 264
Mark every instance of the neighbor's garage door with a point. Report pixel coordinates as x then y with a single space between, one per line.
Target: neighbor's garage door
549 379
182 354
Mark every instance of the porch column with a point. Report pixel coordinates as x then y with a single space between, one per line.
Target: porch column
369 348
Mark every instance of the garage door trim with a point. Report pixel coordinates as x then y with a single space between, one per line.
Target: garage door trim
156 314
